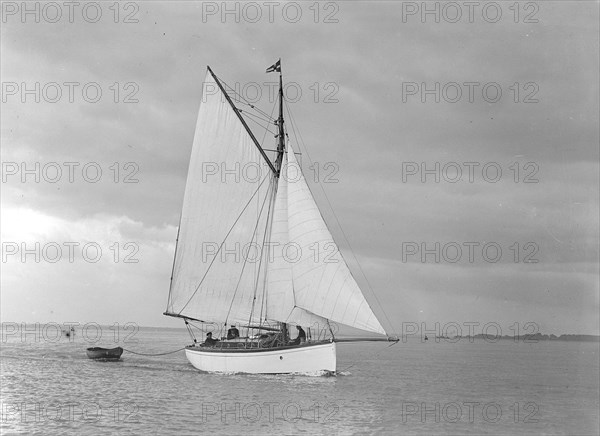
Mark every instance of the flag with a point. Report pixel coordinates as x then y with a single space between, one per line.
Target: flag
275 67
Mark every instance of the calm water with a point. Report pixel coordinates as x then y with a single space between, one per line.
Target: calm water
410 388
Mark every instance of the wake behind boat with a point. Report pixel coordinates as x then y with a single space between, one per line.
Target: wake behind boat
295 275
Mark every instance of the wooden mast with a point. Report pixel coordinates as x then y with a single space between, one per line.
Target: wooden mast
278 162
281 134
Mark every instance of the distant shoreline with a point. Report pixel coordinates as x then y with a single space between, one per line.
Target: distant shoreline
17 327
532 338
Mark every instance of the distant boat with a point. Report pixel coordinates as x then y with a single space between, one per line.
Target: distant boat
104 353
268 208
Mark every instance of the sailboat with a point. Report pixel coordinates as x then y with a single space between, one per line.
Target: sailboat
254 252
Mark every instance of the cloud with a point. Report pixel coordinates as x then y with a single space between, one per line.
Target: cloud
98 269
363 63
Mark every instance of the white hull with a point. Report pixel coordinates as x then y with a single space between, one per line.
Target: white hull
307 359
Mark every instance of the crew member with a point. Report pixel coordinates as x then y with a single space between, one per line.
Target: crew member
233 333
301 338
209 341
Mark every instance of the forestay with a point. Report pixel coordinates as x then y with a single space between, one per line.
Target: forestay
316 278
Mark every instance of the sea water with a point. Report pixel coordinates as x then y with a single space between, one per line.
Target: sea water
49 386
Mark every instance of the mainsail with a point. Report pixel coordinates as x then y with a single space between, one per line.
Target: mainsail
225 210
299 275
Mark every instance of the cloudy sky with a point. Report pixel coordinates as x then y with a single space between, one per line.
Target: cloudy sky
509 93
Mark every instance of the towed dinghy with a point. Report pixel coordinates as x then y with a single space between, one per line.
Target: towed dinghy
99 353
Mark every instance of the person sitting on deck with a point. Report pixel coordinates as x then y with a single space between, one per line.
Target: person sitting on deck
209 341
301 338
233 333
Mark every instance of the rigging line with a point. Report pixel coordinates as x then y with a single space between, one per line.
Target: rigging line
246 258
249 113
271 117
376 354
221 246
263 304
286 156
267 118
152 354
264 124
242 120
342 230
266 128
293 124
174 258
339 225
294 127
254 108
190 331
243 100
189 323
261 125
269 219
352 252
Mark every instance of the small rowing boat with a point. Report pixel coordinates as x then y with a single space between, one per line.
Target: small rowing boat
104 353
